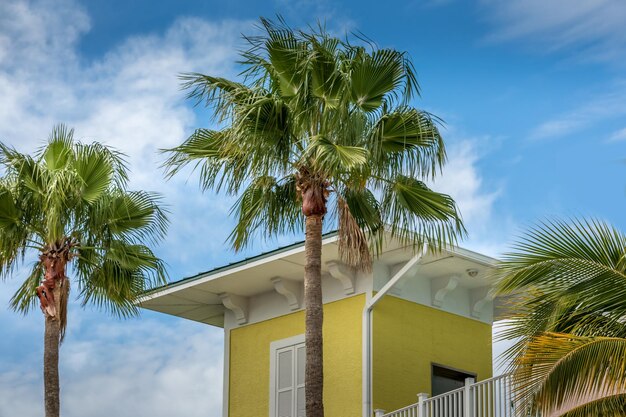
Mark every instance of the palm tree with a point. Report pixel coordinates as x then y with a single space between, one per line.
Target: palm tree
568 280
68 207
321 127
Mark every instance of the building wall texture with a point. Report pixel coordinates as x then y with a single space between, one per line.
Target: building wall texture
250 360
408 338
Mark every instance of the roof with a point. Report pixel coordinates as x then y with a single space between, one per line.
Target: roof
198 297
235 264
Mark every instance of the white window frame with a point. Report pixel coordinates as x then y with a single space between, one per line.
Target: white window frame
274 346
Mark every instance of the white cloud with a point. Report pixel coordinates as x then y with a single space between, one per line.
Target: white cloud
462 180
594 28
134 368
150 369
618 136
585 115
130 99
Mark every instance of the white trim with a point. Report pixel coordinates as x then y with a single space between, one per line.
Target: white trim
271 304
367 330
274 346
470 255
226 378
210 277
453 250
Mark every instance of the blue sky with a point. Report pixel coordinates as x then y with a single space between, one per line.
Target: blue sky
533 94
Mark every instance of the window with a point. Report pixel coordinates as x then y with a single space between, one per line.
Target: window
446 379
287 377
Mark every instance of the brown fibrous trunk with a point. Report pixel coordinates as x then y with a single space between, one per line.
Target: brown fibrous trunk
314 367
53 293
313 192
52 395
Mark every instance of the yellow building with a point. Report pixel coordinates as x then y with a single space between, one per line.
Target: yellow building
418 323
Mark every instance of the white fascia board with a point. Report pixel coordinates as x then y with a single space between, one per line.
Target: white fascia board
228 271
470 255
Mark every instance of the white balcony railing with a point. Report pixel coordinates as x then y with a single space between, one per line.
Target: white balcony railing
489 398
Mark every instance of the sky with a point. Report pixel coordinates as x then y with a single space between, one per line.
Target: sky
533 95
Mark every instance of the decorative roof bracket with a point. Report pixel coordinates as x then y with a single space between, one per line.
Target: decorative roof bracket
344 274
441 287
237 304
479 298
291 290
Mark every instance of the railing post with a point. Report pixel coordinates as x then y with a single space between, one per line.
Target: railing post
467 398
379 413
421 404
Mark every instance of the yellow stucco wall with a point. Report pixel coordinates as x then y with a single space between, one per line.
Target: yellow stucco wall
409 337
250 356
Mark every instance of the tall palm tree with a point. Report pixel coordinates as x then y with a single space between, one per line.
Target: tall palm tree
321 127
68 208
568 280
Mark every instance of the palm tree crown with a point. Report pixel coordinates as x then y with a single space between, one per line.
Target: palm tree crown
321 127
69 203
567 281
319 118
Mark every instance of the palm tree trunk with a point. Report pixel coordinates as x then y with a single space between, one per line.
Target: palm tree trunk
313 374
51 366
52 341
53 293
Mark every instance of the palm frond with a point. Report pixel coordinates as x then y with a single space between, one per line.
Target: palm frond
331 157
408 140
374 76
558 372
316 106
286 52
327 81
567 280
608 406
266 206
25 298
114 279
135 215
72 197
220 160
417 215
58 151
582 260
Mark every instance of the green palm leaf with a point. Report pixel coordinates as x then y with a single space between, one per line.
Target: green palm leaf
568 284
415 213
266 206
408 140
374 76
73 196
95 166
332 157
9 212
59 151
559 373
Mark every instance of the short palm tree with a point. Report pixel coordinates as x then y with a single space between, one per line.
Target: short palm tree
321 127
68 208
568 280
